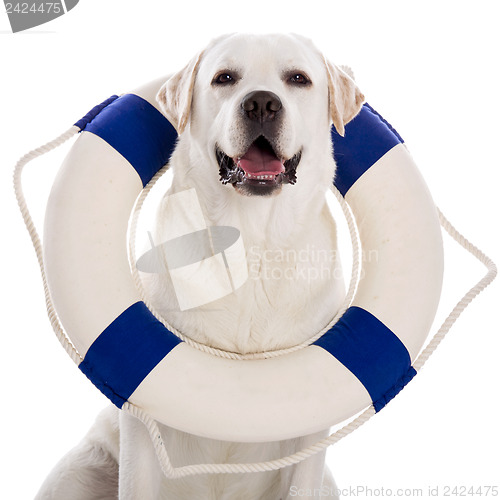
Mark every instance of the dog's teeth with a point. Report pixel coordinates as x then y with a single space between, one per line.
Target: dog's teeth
249 175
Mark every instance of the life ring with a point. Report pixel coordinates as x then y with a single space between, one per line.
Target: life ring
363 360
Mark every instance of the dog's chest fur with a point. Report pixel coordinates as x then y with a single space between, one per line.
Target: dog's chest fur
294 284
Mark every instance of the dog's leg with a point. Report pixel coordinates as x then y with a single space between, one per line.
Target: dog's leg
90 470
309 478
329 485
140 473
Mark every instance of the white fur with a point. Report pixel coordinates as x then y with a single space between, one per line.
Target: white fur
290 234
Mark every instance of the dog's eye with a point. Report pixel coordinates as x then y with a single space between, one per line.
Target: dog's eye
223 79
298 79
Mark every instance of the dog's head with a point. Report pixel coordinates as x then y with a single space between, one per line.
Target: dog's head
260 106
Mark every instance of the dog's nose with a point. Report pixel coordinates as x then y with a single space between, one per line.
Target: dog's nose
261 105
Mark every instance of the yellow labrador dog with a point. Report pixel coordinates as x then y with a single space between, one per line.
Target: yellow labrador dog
254 114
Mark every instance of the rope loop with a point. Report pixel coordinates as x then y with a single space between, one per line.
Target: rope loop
151 425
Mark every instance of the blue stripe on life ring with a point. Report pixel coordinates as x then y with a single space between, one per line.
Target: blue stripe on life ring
372 352
137 130
84 121
126 352
367 138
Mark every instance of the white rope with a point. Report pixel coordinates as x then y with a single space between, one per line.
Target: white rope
151 425
35 238
237 468
466 299
229 354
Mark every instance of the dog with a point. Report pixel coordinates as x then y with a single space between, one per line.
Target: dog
254 116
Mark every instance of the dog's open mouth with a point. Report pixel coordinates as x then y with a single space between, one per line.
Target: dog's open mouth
259 170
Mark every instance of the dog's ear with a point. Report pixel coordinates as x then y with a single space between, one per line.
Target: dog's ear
176 94
345 98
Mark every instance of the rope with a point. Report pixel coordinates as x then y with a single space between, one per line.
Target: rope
228 354
466 299
150 424
35 238
238 468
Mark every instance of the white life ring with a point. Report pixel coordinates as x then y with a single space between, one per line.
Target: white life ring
363 360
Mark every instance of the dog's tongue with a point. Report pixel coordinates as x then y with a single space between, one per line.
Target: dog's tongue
260 161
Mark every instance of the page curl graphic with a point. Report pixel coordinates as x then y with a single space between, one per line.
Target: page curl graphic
26 15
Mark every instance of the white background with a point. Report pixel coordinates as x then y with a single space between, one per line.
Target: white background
431 68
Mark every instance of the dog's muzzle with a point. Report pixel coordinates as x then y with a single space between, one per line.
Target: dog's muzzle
259 171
